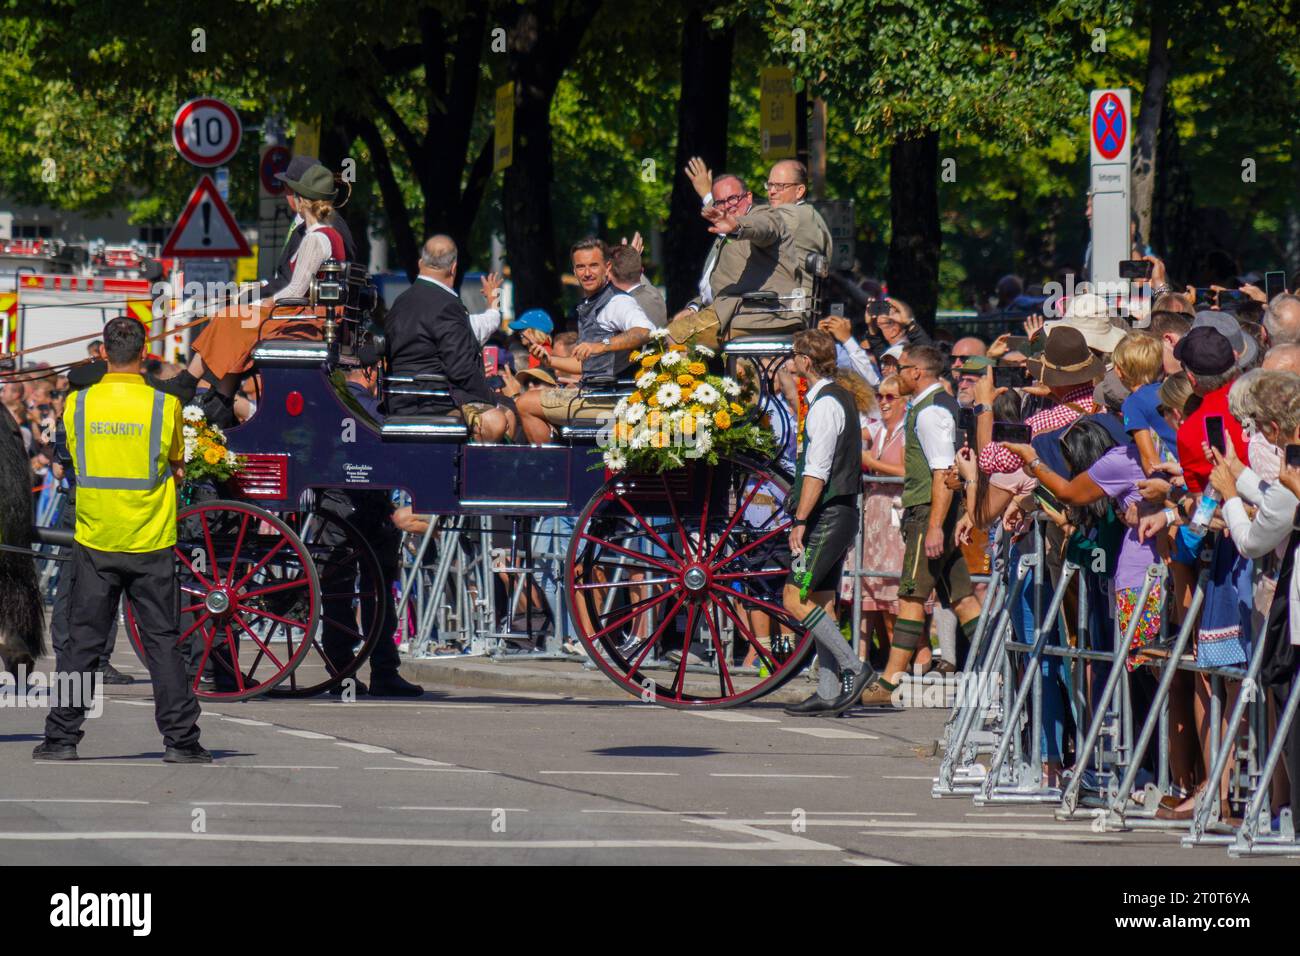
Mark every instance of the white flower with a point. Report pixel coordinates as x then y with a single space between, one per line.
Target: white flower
658 334
192 413
730 386
705 394
672 358
634 413
703 440
190 448
646 380
669 395
704 350
619 408
217 433
640 438
676 417
615 460
232 460
189 431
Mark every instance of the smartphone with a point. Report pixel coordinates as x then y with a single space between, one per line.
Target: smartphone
1214 433
966 420
1231 297
1018 343
1012 432
1293 456
1135 269
1204 294
1010 376
1274 284
490 361
878 307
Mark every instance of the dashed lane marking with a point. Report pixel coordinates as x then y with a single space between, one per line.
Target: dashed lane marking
143 803
245 721
306 734
364 748
784 776
829 733
426 762
433 769
357 703
664 813
242 803
607 773
732 717
462 809
842 813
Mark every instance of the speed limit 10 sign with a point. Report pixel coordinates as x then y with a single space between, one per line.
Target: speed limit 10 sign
206 132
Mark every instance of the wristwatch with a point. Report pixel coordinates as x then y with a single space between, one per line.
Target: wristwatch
981 408
798 522
1033 465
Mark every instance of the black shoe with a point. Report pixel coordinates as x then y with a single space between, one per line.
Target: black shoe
112 675
816 704
49 751
393 685
194 753
852 684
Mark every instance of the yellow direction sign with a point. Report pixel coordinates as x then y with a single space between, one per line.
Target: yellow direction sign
776 105
503 143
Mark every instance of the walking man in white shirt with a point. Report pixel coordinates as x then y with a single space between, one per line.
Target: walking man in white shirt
823 504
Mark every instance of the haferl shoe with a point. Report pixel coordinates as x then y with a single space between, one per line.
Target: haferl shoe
393 685
853 683
194 753
46 750
112 675
813 706
877 695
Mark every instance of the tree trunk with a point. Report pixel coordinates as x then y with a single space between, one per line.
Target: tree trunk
913 269
542 43
702 110
1147 124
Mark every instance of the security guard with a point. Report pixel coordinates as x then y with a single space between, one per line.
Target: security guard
126 441
823 507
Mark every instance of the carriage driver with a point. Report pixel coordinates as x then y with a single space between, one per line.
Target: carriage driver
823 506
610 324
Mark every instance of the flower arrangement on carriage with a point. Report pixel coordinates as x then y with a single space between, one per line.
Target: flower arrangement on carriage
682 411
207 459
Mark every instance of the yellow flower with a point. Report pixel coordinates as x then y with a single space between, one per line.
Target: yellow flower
696 368
654 419
635 398
653 400
695 410
685 380
737 409
213 455
688 425
722 419
635 356
649 361
687 393
659 440
677 348
664 378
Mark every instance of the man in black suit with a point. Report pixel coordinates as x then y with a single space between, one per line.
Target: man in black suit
297 169
429 333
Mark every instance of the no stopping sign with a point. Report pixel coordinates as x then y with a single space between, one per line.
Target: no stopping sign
206 132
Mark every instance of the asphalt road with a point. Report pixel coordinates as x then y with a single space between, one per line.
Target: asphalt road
465 776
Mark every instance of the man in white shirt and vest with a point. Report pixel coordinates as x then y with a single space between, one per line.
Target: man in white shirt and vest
823 505
932 560
125 440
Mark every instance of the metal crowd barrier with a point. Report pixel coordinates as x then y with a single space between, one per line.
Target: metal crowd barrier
993 736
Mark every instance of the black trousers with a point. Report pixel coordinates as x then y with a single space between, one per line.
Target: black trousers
66 587
148 580
371 513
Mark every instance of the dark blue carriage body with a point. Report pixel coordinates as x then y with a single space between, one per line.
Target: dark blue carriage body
306 435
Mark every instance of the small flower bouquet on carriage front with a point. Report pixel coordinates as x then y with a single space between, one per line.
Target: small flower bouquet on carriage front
207 459
682 411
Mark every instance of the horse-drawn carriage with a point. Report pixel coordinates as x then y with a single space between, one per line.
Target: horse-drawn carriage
673 580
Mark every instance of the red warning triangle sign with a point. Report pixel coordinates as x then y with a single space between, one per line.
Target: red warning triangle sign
206 228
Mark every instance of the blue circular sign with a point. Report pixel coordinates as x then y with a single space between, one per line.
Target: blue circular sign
274 160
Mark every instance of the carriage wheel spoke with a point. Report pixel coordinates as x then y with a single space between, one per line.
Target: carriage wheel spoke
657 565
275 549
197 624
745 632
274 617
258 641
679 681
626 583
687 549
234 659
207 540
272 588
740 575
727 559
203 662
637 610
651 531
239 544
654 638
724 672
186 561
750 599
193 608
713 552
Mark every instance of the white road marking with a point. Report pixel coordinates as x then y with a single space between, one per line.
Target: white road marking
1004 835
100 762
143 803
872 861
133 703
433 769
986 815
364 748
762 841
665 813
607 773
829 733
308 734
357 703
732 717
842 813
268 766
953 827
238 803
462 809
247 722
425 761
784 776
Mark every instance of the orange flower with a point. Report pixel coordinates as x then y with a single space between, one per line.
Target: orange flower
649 361
737 409
685 380
722 419
696 368
677 348
634 398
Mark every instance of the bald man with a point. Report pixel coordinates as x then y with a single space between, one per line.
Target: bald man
962 349
1283 358
1282 319
429 333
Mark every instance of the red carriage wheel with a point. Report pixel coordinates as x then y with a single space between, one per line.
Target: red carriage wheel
250 599
675 583
353 596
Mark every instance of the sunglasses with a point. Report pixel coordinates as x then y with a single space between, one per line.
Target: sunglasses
886 397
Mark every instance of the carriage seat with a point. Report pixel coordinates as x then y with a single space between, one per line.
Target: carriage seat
607 389
759 344
290 351
424 428
426 385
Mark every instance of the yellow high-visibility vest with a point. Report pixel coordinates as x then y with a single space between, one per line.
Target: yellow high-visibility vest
121 436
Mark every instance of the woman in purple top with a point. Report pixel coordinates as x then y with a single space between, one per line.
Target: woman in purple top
1105 469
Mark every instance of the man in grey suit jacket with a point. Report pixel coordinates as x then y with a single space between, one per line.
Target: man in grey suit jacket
625 274
761 249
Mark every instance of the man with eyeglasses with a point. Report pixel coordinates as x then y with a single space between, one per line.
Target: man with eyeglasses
772 290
